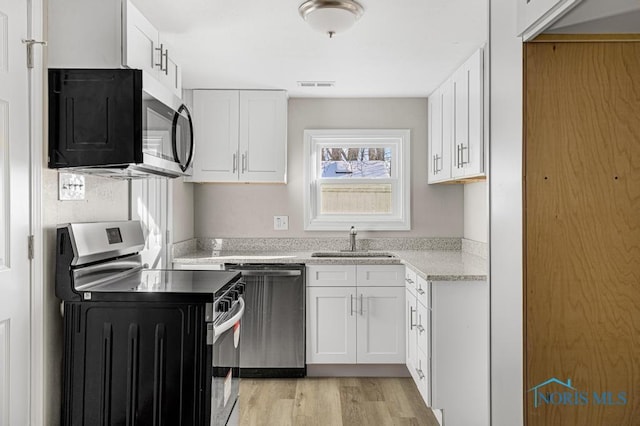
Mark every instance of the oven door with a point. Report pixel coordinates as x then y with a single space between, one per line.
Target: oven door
225 380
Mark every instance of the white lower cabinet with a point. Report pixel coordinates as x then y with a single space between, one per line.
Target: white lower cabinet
447 349
355 324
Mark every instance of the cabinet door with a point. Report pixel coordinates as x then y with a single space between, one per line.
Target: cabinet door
140 41
468 147
215 126
381 335
171 74
331 325
440 115
263 136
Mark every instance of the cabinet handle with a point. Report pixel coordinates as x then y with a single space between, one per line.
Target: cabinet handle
235 163
438 159
409 280
351 303
420 291
411 311
244 162
462 149
420 373
420 328
166 62
159 49
361 304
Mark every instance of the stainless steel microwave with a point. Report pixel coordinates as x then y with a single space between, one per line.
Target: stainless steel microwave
117 123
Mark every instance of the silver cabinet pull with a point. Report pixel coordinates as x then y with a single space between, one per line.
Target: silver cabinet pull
409 280
420 290
351 303
411 311
420 328
160 49
166 62
420 373
462 149
438 159
235 163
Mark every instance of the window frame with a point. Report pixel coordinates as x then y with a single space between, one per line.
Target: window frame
398 139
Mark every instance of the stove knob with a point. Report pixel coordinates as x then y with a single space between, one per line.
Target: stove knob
224 305
234 294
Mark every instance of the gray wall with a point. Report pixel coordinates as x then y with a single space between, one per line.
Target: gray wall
239 210
106 199
476 212
183 226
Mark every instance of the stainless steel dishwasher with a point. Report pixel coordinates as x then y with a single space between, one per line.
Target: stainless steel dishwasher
273 325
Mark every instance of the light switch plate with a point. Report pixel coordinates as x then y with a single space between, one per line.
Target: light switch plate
281 223
70 187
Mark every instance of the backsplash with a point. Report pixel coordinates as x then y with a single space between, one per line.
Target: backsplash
313 244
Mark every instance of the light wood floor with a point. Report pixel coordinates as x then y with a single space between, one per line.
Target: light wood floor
332 402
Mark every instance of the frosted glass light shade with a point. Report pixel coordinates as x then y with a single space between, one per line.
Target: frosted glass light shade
331 17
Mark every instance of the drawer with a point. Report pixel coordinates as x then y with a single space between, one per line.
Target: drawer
331 275
380 275
422 291
410 277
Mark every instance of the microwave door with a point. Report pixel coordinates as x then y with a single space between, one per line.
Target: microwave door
182 131
157 121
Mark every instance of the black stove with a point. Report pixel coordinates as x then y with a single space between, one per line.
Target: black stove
143 346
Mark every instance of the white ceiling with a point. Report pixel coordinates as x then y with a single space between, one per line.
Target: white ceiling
399 48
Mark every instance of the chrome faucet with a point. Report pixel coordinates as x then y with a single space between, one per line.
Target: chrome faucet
352 238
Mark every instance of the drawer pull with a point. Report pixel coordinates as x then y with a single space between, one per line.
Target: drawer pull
420 373
420 291
420 328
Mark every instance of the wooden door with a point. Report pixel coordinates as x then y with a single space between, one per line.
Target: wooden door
15 281
582 233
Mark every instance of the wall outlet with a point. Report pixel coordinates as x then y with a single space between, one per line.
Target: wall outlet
70 187
281 223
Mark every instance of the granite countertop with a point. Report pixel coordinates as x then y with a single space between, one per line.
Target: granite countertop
433 265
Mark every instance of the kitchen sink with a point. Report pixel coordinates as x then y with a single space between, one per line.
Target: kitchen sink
352 254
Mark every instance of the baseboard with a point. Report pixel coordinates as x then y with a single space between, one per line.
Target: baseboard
357 370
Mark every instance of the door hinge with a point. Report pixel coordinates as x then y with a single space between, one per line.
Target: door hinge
30 42
30 249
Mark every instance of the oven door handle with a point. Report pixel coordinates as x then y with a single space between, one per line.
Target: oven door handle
218 330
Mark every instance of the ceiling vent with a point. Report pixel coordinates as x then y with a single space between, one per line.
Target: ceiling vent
316 83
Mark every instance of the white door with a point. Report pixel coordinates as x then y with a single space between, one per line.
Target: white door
263 136
381 333
331 325
14 216
215 118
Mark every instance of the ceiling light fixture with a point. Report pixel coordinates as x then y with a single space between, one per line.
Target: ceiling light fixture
331 16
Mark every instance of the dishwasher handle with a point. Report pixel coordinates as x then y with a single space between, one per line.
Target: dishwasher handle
268 272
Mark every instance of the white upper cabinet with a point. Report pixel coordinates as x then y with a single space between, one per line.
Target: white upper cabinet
456 125
109 34
143 47
468 147
241 136
534 16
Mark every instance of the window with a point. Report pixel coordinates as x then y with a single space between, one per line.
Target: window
357 177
